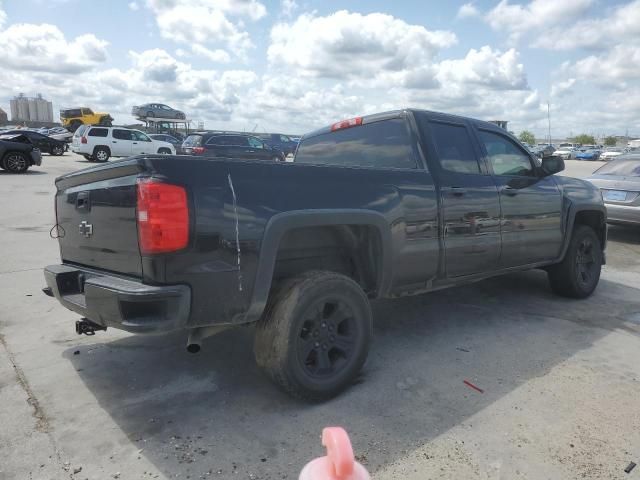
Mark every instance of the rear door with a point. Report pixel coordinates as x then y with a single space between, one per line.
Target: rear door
218 146
96 216
531 204
121 143
469 198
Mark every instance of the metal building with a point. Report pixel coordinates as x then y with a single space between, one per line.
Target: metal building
26 109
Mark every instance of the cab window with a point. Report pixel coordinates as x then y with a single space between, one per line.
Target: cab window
381 144
504 155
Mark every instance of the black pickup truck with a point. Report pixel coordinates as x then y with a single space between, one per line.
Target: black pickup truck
385 205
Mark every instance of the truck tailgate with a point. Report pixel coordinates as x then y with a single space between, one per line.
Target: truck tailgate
96 210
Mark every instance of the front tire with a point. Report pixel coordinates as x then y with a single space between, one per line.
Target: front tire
15 162
578 274
315 335
164 151
101 154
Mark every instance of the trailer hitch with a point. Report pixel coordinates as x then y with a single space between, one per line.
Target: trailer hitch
87 327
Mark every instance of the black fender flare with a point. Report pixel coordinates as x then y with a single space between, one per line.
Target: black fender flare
280 223
572 212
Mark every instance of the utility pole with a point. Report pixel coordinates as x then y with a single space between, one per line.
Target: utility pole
549 120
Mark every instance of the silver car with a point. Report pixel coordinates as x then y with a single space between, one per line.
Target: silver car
619 182
157 110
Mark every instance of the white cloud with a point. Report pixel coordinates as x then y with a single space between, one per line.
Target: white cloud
563 87
536 16
218 55
288 7
484 67
207 22
134 6
614 69
344 44
468 10
621 24
44 48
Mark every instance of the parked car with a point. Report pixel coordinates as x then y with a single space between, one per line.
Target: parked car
72 118
42 142
566 153
426 201
230 145
611 153
156 110
101 143
281 142
164 137
591 155
545 150
17 153
59 133
619 182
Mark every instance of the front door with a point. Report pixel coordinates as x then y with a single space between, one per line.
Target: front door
469 200
121 142
141 143
531 204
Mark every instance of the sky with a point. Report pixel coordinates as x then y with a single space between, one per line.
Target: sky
296 65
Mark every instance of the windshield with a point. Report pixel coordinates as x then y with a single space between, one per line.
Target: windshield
626 168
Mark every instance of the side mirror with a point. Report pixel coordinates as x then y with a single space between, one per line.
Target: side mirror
552 165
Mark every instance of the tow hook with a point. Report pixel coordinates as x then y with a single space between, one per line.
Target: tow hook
87 327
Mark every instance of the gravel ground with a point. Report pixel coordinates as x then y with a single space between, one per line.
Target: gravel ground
560 379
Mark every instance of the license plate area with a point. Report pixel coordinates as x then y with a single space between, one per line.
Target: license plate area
615 195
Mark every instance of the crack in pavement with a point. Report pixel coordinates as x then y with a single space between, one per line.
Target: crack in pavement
42 422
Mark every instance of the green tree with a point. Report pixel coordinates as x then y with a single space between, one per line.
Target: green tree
584 139
527 137
610 141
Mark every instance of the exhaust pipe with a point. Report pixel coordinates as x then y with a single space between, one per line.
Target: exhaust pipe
194 342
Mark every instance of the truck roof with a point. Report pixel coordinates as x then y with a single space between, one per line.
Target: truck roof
376 117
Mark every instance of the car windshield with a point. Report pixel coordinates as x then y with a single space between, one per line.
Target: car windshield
622 167
193 141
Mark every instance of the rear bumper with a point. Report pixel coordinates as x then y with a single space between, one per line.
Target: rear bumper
623 214
116 302
36 157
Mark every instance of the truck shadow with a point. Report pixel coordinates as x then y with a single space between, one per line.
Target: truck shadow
624 234
215 412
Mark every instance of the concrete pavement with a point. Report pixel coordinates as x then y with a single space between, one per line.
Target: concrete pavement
560 379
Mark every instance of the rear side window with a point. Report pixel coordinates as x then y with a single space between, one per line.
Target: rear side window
122 134
99 132
383 144
193 141
454 148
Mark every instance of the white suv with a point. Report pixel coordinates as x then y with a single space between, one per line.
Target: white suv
99 143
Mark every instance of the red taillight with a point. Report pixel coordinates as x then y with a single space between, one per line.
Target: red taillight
163 217
197 150
83 139
351 122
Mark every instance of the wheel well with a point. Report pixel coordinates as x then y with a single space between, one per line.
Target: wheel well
353 250
101 147
595 220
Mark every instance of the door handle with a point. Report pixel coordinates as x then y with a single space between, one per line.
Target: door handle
135 143
456 191
113 141
512 192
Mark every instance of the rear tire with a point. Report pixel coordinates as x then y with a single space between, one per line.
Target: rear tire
315 335
57 150
164 151
15 162
101 154
578 274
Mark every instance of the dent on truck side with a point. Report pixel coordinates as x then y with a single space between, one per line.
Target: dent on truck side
281 223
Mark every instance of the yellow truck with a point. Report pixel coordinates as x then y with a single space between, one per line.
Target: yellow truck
72 118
